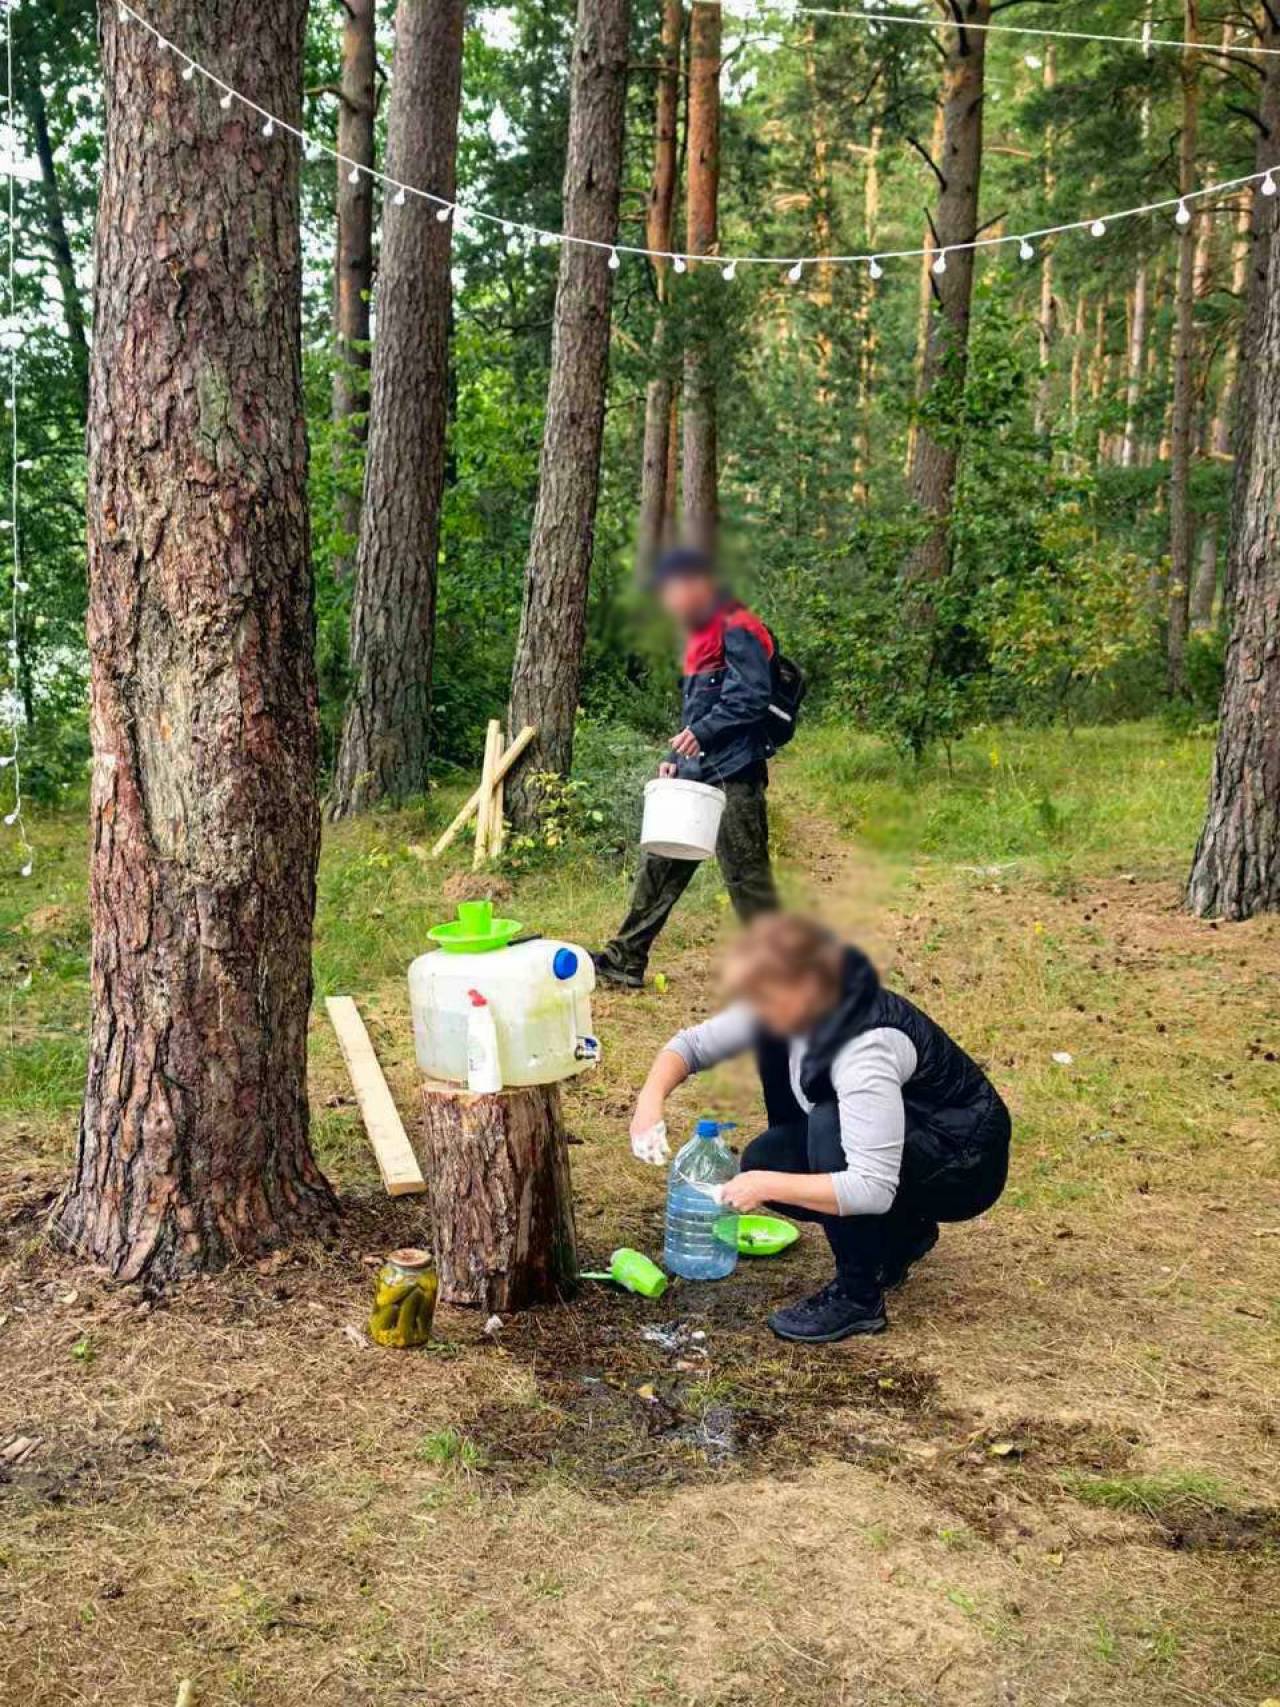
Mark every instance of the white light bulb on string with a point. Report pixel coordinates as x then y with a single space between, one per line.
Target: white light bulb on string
796 273
353 176
729 271
26 870
225 102
874 268
1183 215
445 213
11 818
615 260
508 230
399 197
940 265
188 71
6 759
1269 185
1026 249
679 264
269 129
1098 228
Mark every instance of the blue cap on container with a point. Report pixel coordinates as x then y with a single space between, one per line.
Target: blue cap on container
708 1129
565 963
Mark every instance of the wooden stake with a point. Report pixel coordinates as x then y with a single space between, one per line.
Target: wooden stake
514 752
488 777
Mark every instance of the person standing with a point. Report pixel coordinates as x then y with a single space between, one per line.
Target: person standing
726 693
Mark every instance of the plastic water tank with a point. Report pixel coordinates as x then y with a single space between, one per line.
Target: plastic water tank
539 993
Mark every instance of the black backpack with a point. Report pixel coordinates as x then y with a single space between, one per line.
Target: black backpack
789 689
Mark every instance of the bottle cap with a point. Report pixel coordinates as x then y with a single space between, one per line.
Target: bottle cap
565 963
477 1000
708 1129
407 1257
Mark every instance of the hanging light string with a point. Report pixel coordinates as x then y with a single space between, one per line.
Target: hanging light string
793 265
747 10
11 762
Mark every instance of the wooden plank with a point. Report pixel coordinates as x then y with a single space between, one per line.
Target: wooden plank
514 752
394 1154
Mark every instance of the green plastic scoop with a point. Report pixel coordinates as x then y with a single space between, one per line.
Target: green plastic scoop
765 1235
633 1271
475 930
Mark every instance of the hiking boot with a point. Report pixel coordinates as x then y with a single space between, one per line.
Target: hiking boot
832 1314
616 977
916 1243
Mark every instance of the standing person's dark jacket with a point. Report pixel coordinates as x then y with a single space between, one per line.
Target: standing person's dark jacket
725 694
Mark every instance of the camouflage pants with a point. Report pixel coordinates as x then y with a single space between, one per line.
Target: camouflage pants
742 851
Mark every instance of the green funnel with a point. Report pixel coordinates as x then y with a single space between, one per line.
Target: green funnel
634 1272
475 930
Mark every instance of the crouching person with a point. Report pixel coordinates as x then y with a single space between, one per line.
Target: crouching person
880 1125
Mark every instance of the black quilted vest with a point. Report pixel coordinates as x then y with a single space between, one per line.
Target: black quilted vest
948 1095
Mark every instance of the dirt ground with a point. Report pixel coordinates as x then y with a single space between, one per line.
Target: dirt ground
1054 1481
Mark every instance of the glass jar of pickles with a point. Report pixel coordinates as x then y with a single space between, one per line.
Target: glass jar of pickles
404 1299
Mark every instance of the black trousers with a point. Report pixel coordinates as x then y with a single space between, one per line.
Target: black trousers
940 1181
743 853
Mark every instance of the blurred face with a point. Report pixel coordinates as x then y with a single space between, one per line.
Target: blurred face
792 1007
690 600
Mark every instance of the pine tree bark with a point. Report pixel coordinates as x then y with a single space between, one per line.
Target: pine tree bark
701 451
353 261
1134 366
865 333
934 467
924 297
1046 328
547 674
1181 521
1236 870
658 231
386 736
193 1144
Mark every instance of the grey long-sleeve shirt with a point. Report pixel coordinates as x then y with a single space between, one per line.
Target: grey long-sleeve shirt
867 1075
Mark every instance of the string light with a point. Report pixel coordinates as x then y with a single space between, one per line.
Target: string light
188 72
1183 215
1026 250
399 197
269 129
940 265
12 760
796 273
730 271
353 176
874 263
615 260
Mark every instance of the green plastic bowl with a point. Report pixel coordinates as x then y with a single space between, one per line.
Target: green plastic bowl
765 1235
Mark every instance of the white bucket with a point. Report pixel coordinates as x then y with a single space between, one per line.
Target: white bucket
681 818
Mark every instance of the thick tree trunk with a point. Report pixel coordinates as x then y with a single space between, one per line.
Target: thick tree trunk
193 1145
385 739
658 228
501 1197
353 263
33 102
933 472
1181 521
547 674
1236 871
701 454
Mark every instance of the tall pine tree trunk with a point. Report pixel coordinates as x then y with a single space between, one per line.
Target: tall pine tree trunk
1236 870
547 675
193 1145
701 455
933 471
1045 326
1181 521
37 112
924 297
865 332
353 265
658 228
386 736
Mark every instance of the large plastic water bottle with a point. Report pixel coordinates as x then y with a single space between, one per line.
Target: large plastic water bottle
702 1237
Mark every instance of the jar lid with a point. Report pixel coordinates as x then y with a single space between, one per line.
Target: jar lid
410 1258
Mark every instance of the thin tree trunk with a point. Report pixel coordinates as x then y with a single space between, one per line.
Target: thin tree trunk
386 736
547 675
866 326
353 268
37 112
924 297
658 237
701 460
193 1144
1181 523
933 473
1077 360
1045 326
1133 379
1204 589
1236 870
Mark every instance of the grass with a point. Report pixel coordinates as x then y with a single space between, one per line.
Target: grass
227 1487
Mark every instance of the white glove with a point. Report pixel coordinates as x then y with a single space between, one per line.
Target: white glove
651 1146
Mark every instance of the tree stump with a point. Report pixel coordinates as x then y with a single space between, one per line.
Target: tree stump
501 1200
